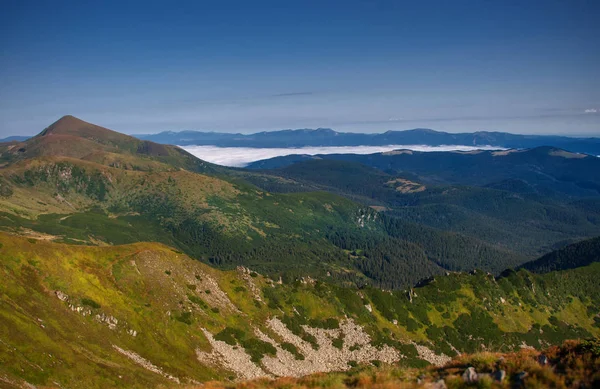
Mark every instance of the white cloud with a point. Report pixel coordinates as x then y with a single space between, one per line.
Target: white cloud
242 156
591 110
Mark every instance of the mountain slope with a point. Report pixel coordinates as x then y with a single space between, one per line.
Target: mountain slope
80 183
569 257
75 138
518 205
145 315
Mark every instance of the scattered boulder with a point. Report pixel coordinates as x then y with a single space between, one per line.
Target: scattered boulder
470 375
61 295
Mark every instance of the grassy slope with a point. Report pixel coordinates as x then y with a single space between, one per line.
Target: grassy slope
148 287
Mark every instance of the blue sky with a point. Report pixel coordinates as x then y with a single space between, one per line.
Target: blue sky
246 66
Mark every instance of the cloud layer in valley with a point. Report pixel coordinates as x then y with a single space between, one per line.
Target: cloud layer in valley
242 156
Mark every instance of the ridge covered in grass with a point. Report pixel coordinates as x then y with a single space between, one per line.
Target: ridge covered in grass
144 314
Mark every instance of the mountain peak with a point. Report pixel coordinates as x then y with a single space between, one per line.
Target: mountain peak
71 125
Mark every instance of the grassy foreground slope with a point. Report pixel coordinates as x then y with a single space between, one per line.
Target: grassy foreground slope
144 314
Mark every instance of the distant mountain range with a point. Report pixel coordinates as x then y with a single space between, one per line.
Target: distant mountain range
329 137
14 139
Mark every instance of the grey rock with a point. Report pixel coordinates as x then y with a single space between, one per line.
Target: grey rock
61 296
470 375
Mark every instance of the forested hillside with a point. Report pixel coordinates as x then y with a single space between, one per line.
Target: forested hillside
569 257
524 202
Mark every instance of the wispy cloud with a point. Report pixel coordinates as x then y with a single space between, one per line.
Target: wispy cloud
591 110
290 94
242 156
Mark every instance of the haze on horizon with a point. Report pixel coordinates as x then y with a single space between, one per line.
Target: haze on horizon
354 66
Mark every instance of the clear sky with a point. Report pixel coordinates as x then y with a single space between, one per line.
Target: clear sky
522 66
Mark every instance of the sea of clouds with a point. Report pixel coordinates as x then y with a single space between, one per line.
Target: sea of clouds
242 156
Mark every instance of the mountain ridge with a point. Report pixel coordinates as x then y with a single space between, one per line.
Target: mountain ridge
329 137
146 315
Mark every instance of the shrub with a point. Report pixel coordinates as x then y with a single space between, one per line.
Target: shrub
328 324
90 303
338 343
185 317
229 335
293 350
256 348
198 301
294 323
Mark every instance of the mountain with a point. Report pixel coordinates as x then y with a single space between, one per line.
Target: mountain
147 315
83 184
528 201
329 137
549 170
14 139
569 257
74 138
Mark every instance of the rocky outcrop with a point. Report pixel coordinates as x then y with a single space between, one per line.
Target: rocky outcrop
145 363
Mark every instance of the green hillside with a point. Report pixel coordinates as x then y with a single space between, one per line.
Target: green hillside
569 257
525 215
144 315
